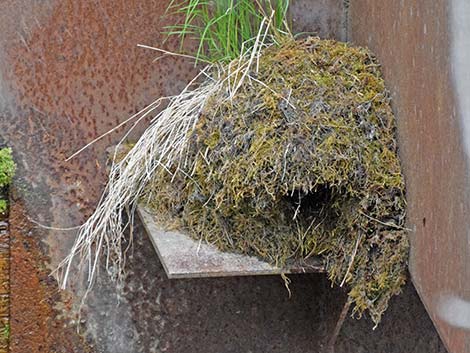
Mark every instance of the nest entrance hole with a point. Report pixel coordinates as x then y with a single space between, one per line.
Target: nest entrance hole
304 206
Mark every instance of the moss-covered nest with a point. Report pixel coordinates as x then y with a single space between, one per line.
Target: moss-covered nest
302 162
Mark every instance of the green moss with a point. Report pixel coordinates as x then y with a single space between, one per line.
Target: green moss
306 167
5 332
3 206
7 171
7 167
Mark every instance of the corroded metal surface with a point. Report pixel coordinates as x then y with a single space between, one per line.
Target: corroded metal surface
184 257
4 284
413 42
324 18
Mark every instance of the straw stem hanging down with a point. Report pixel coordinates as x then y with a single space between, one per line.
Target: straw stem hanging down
161 146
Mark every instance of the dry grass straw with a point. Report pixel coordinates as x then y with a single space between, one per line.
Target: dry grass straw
161 146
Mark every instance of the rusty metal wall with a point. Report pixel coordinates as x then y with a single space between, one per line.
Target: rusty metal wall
413 40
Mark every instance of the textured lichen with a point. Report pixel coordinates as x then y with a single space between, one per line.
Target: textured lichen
302 162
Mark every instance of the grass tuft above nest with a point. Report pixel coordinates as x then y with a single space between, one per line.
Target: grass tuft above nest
301 161
224 27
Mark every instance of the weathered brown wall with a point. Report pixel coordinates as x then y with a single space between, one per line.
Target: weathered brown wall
413 42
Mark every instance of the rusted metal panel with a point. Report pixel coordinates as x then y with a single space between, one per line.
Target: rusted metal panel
184 257
413 40
324 18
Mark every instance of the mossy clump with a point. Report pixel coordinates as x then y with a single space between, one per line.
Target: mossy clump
301 162
7 171
3 206
7 167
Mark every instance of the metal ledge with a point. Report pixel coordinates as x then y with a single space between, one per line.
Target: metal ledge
184 257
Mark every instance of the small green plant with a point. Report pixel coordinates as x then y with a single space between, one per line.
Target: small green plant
3 206
5 332
7 167
224 28
7 170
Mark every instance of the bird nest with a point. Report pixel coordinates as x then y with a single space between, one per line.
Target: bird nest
302 161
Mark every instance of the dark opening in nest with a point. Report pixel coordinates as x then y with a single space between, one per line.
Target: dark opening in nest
309 203
313 207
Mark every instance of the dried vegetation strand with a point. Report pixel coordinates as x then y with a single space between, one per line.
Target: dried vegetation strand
162 146
301 161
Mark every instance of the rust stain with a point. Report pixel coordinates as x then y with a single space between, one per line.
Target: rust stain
36 326
4 283
412 41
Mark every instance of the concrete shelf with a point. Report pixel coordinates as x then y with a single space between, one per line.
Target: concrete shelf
184 257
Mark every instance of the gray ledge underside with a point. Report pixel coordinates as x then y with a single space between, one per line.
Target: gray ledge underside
184 257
